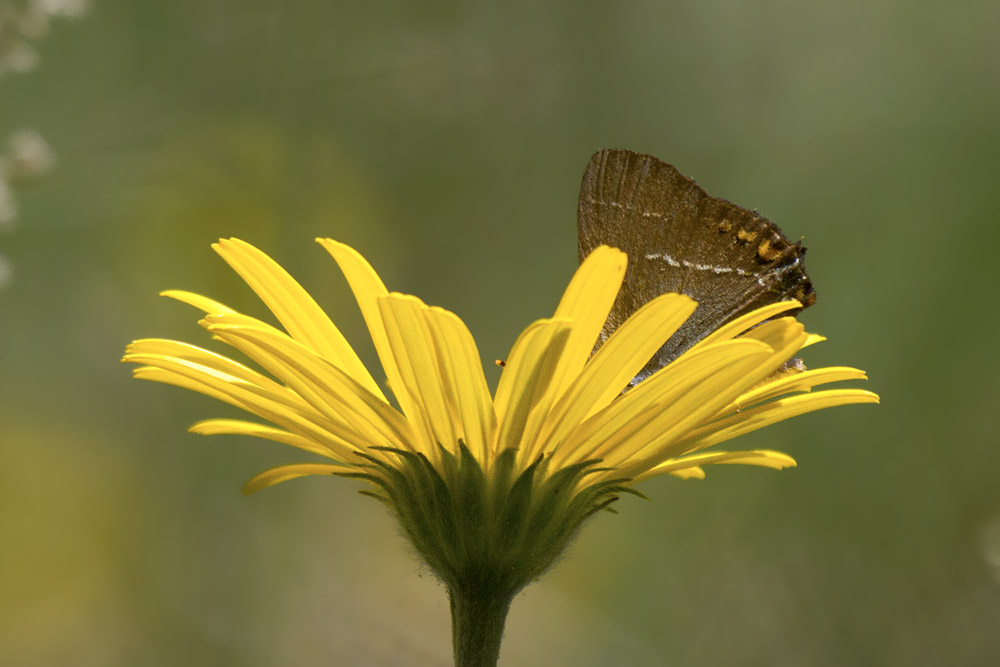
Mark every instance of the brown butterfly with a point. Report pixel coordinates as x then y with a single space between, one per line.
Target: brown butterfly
680 239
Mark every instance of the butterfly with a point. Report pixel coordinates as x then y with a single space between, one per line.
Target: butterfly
678 238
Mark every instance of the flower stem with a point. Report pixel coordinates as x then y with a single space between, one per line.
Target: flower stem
478 614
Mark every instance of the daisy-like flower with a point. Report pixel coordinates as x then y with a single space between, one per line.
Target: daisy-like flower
491 488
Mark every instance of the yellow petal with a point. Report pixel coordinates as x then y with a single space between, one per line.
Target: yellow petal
586 303
154 374
196 363
795 382
301 316
525 382
770 413
367 288
172 348
416 359
210 306
813 339
764 458
240 427
616 362
463 380
663 403
685 406
304 421
785 335
747 322
694 472
294 471
325 387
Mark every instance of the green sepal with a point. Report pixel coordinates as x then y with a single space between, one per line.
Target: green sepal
487 530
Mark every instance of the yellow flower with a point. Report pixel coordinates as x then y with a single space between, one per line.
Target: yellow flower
490 489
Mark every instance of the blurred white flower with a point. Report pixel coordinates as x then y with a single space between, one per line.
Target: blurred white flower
5 271
7 210
989 545
20 25
16 55
68 8
30 155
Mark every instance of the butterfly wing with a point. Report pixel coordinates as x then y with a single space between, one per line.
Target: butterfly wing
680 239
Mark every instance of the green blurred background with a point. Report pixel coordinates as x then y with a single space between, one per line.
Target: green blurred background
446 141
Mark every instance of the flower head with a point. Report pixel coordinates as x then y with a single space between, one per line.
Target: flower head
491 488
